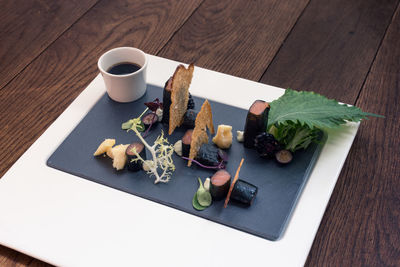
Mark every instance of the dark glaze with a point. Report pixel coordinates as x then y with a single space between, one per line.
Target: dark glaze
124 68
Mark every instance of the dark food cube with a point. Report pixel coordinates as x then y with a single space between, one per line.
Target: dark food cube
208 155
189 119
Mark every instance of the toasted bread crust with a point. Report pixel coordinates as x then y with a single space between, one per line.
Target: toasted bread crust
179 95
205 119
199 136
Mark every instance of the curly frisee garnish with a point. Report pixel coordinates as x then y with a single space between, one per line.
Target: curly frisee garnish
162 166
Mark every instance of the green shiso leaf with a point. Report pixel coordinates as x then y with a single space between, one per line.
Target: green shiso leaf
296 118
313 110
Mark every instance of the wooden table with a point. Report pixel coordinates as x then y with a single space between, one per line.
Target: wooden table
347 50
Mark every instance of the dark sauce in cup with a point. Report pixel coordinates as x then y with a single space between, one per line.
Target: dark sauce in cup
124 68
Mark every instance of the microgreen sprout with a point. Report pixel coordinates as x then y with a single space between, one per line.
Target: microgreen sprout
128 125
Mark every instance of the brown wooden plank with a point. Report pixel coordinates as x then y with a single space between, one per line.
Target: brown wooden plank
56 77
361 226
9 257
331 48
28 27
235 37
38 95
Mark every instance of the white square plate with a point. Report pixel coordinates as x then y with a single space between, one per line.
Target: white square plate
75 222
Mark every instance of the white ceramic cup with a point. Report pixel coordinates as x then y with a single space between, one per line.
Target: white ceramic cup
125 87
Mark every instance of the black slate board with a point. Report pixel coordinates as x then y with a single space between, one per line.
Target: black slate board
278 186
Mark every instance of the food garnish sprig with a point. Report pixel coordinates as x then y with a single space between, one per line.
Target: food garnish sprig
128 125
161 152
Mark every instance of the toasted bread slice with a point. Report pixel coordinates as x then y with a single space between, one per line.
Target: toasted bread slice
204 118
199 136
179 96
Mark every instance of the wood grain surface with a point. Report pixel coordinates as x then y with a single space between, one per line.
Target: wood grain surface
50 83
361 226
38 94
29 27
235 37
331 48
348 50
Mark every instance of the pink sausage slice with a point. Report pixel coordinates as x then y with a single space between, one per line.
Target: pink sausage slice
187 138
220 183
220 177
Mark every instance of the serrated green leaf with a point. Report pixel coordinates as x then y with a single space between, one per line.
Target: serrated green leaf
313 110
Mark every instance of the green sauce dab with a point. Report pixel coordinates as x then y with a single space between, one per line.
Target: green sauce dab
202 198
